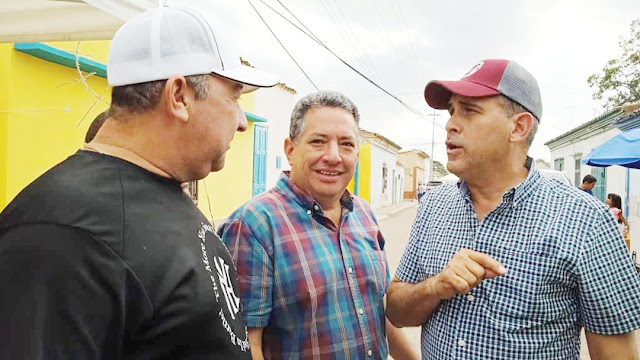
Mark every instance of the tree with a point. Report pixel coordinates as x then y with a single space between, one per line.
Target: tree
619 81
439 170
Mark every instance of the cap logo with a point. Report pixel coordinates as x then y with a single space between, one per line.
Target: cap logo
474 69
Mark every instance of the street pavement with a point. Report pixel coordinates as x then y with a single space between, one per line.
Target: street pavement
395 223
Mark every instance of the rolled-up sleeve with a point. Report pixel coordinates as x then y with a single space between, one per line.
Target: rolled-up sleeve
609 287
248 238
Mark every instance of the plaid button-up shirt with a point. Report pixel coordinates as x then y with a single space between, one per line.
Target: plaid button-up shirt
567 265
317 290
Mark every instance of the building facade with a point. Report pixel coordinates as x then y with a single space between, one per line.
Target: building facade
568 149
378 170
415 164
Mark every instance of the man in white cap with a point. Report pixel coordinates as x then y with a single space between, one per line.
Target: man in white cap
507 264
104 256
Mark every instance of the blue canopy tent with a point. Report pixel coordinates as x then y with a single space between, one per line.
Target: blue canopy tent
623 150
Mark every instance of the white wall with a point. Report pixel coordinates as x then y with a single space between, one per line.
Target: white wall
275 104
399 184
380 157
633 216
615 175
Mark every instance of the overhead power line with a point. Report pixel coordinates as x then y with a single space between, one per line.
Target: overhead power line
319 42
283 47
350 37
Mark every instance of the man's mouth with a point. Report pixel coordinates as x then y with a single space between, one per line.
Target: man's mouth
328 173
452 146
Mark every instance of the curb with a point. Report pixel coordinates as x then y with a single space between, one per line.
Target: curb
407 204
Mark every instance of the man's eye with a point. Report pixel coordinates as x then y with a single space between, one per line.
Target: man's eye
348 144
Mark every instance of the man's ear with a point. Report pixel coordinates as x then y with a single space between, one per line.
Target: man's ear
289 146
177 97
522 127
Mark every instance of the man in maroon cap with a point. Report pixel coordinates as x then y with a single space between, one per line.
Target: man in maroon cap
507 264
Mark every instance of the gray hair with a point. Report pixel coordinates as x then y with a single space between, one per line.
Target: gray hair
511 108
139 98
315 100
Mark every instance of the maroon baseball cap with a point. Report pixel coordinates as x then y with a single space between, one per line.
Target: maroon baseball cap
489 78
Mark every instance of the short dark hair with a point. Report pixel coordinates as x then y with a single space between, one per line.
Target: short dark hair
95 126
511 108
589 179
138 98
616 201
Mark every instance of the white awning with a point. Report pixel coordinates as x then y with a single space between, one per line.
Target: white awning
65 20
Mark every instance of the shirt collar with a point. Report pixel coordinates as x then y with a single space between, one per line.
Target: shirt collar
287 187
518 193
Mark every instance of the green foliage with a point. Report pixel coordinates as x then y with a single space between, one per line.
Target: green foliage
619 82
439 170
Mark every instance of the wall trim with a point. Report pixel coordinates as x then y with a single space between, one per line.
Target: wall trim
65 58
61 57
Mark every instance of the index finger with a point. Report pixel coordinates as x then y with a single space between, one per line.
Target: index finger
487 262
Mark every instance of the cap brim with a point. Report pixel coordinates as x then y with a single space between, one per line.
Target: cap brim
437 93
251 78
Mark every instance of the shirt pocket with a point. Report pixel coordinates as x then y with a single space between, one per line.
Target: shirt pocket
531 295
377 282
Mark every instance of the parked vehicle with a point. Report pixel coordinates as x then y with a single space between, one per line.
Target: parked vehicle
432 184
556 175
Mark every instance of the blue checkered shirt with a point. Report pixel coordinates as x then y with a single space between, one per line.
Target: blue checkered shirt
316 289
567 264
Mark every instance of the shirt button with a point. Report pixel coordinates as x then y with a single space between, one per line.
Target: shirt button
360 311
369 353
316 207
350 270
471 297
461 342
309 212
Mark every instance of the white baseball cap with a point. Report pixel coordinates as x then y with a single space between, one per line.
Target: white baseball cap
168 41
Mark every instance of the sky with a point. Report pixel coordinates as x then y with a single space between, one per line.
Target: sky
403 44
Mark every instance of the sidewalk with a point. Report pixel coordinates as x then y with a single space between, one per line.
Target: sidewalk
387 211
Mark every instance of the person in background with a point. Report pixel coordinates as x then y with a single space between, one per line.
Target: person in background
508 264
588 183
312 268
422 189
615 207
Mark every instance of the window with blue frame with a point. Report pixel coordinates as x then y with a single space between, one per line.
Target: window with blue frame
558 164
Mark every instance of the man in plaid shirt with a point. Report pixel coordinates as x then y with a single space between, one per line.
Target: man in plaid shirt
507 264
311 263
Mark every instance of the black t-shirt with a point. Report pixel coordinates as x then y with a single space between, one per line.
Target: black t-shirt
100 258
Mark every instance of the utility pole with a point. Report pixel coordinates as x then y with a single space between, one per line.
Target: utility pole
433 140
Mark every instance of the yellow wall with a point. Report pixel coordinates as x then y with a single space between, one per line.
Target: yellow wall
5 79
364 174
232 186
42 105
47 114
364 183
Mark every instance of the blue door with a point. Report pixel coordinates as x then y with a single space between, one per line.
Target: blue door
599 190
259 159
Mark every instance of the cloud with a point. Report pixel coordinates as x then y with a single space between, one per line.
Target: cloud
403 44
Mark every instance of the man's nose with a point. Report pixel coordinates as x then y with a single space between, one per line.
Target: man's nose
452 125
332 152
242 120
